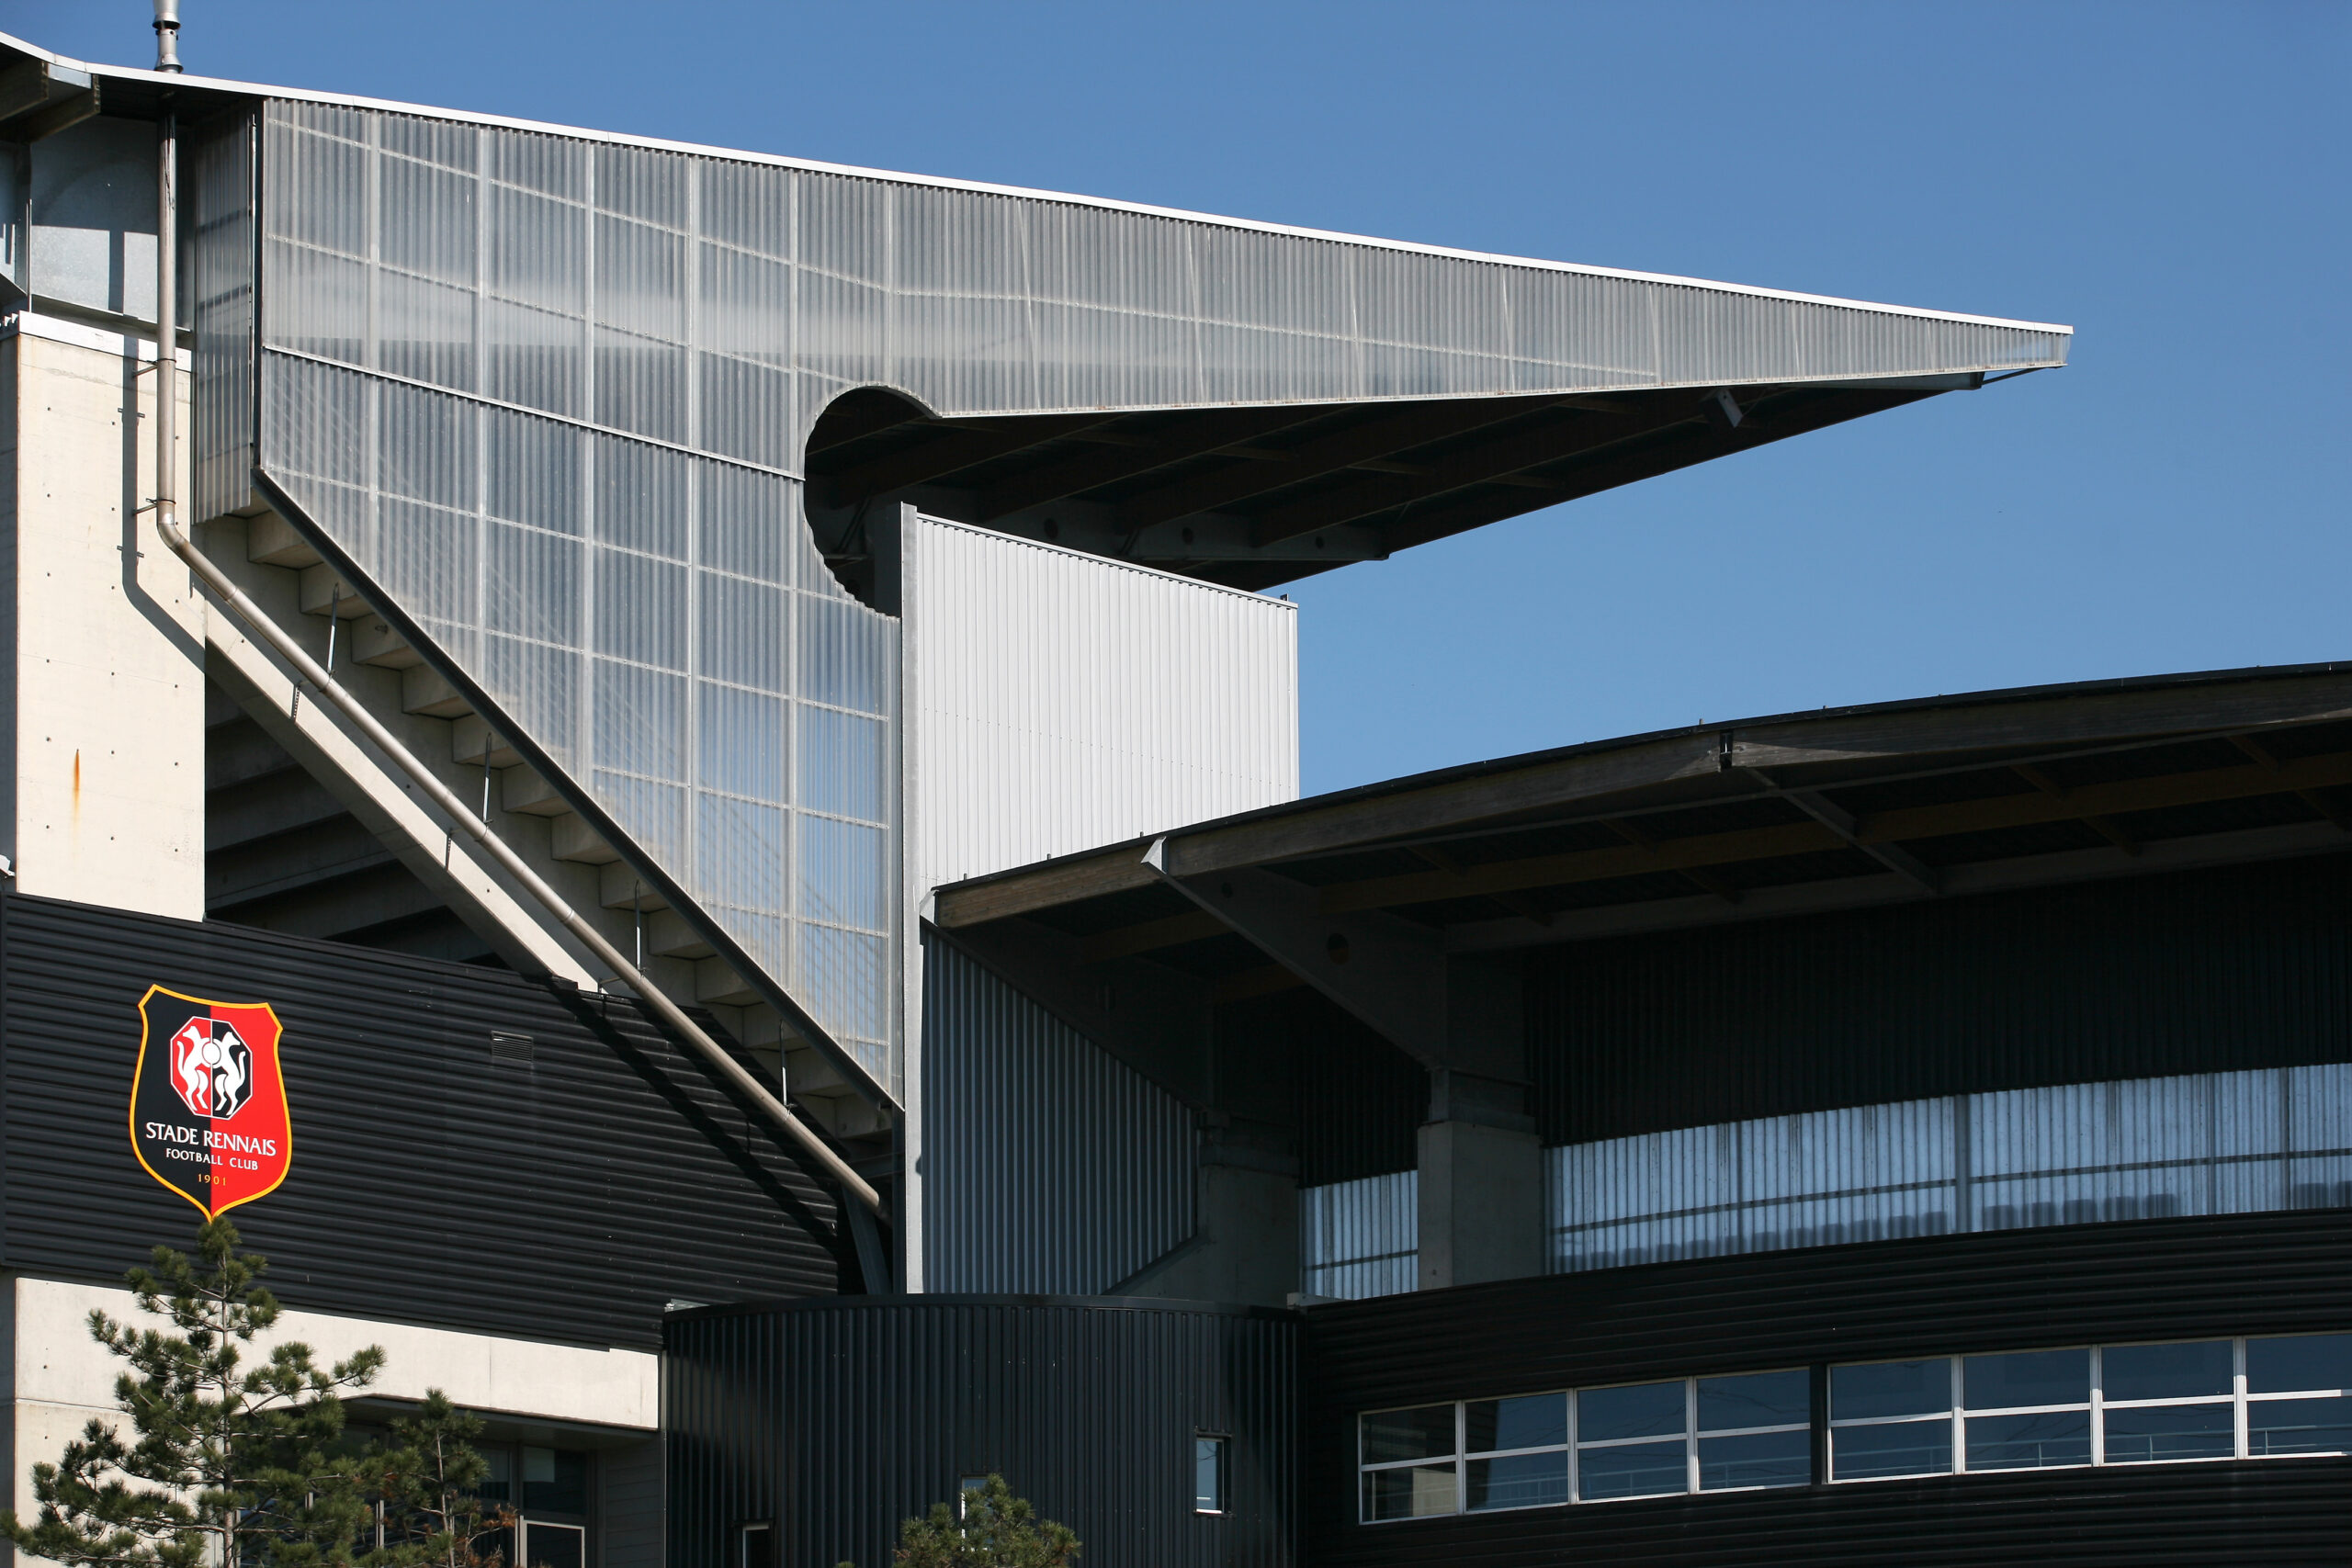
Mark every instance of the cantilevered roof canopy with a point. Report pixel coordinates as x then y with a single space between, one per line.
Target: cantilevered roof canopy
1243 401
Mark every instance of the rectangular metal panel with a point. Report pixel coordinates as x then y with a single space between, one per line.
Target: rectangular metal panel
1360 1238
224 317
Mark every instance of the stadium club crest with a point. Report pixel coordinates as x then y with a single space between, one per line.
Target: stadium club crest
208 1103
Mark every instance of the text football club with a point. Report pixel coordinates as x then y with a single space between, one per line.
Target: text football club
207 1101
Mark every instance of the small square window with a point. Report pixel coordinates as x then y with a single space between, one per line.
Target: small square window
755 1546
1208 1473
966 1486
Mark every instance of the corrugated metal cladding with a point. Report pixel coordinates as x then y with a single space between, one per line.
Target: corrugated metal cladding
840 1419
2212 971
223 396
1057 701
2147 1280
2214 1144
647 1183
1048 1166
1360 1238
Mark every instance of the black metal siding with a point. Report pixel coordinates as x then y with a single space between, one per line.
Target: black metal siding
1360 1101
2174 1279
840 1418
2213 971
567 1197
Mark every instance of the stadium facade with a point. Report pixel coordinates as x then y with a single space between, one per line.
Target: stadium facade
730 710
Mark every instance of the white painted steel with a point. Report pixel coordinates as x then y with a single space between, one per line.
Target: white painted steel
1057 701
2209 1144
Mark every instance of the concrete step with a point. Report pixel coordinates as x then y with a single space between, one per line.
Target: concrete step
472 744
569 838
272 541
762 1030
424 690
667 933
806 1071
521 789
376 642
322 588
622 888
716 984
847 1116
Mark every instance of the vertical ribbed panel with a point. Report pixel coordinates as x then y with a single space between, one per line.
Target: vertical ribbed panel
222 455
1360 1238
2212 1143
650 614
1048 1165
839 1422
1057 701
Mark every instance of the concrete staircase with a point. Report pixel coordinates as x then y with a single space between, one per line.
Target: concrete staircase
283 851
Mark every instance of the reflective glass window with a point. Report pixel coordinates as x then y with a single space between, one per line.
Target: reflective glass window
2149 1434
2030 1439
1420 1433
1880 1388
2168 1371
2298 1364
1537 1421
1516 1480
1642 1410
2026 1379
1208 1474
1632 1470
1759 1398
1891 1447
1408 1492
2298 1426
1756 1459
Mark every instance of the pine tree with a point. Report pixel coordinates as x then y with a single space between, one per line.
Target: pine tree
215 1462
429 1481
998 1530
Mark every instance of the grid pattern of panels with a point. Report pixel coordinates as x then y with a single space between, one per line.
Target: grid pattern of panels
2096 1405
476 381
1593 1445
223 459
1359 1239
2209 1144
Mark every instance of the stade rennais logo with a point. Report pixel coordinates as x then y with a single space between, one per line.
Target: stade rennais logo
208 1103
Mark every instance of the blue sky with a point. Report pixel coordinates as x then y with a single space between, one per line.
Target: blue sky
2170 180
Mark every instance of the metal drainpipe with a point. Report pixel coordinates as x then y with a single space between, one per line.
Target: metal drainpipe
451 808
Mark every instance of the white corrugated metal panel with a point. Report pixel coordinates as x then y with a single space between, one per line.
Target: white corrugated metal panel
1058 701
1049 1167
2211 1144
1359 1239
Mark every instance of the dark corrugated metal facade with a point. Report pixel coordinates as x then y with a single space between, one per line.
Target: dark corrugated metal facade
565 1187
839 1418
2019 1290
2211 971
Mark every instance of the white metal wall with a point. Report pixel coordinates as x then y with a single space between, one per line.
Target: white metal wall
1057 701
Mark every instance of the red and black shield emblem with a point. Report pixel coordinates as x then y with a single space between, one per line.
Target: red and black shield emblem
208 1102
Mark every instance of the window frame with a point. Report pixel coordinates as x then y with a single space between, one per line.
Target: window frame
1224 1442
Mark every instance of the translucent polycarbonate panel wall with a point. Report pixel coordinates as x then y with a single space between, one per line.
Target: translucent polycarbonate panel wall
1057 701
1362 1238
2210 1143
1048 1165
222 457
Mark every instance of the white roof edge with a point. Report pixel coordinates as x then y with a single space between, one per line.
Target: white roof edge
996 535
739 156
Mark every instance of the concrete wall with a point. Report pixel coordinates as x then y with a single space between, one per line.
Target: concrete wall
104 732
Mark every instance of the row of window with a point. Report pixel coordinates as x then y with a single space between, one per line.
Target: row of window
2082 1405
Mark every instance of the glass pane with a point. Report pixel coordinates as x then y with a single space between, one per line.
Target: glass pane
1645 1410
1208 1475
1522 1481
498 1486
1408 1494
2166 1371
1407 1434
1899 1448
2170 1431
1756 1459
1763 1399
1537 1421
2298 1426
758 1547
2304 1361
2032 1377
1890 1388
1637 1470
555 1480
2029 1442
554 1546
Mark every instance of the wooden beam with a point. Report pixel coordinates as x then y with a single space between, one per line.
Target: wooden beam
1265 981
1147 936
1044 887
2108 799
1580 865
1059 479
1416 424
2056 791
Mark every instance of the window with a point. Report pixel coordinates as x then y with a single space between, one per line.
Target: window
548 1489
755 1546
1208 1473
1590 1445
547 1545
965 1486
2161 1404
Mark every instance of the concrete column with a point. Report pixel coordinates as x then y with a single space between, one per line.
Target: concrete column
1245 1227
1481 1186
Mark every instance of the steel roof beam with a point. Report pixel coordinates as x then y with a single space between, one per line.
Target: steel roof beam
1059 479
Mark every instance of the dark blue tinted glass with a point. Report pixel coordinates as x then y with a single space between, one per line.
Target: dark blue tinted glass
2166 1371
2031 1376
1636 1469
1208 1475
2305 1361
1522 1481
2170 1431
1899 1448
2298 1426
1645 1410
1756 1459
1535 1422
1407 1434
1761 1399
1890 1388
2029 1442
1411 1493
